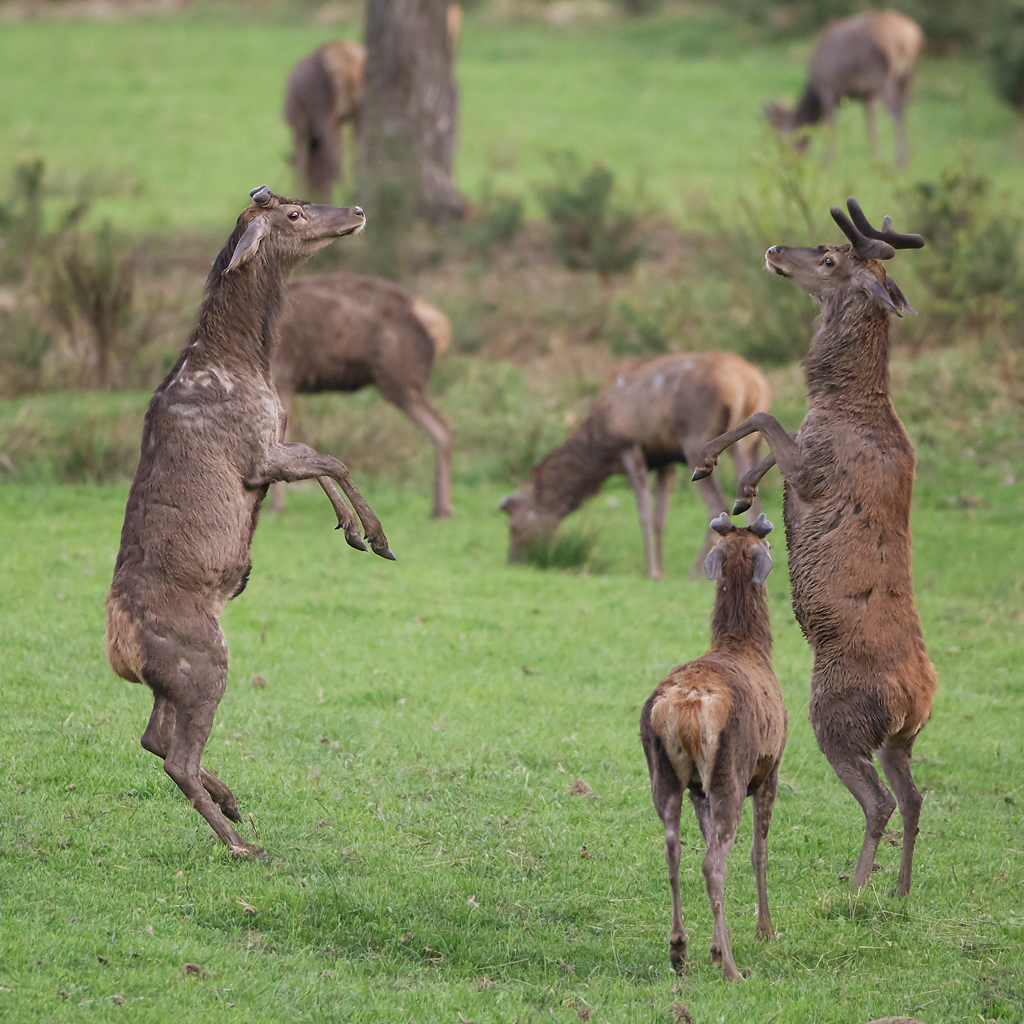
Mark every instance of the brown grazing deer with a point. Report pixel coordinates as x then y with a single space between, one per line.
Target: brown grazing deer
211 446
324 92
342 332
849 476
649 415
867 57
717 727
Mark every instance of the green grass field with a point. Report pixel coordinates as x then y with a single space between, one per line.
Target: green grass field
411 780
182 115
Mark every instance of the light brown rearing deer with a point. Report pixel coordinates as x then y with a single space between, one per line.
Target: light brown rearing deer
650 415
211 446
849 477
342 332
717 727
867 57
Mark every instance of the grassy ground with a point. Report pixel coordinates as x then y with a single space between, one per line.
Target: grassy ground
407 760
181 115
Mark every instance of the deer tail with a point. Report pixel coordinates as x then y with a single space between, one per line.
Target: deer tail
435 323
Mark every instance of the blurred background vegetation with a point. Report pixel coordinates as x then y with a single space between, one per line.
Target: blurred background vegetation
624 187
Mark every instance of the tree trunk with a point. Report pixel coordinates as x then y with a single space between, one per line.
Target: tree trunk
410 107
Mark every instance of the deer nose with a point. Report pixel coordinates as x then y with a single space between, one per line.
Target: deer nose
773 251
358 211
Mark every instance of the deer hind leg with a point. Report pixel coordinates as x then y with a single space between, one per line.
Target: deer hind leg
858 774
662 496
157 740
725 810
895 762
421 412
636 469
764 802
896 101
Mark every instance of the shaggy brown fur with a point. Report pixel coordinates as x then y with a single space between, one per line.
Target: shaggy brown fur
342 332
866 57
650 415
849 474
324 92
211 446
717 726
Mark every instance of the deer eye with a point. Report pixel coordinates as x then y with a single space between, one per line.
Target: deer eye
829 262
294 215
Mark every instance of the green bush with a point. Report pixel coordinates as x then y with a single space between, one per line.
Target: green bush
496 220
568 549
594 230
1005 49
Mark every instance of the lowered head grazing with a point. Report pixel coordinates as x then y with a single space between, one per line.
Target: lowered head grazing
527 522
838 272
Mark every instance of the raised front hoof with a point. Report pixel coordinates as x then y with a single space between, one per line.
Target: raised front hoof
702 472
229 808
379 546
677 954
742 505
353 540
249 851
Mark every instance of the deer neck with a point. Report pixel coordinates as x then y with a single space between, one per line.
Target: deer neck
237 320
740 618
576 469
848 362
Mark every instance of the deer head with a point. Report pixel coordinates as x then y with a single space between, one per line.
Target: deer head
527 521
748 545
839 271
284 231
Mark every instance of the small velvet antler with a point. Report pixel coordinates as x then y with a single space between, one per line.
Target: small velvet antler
722 524
761 526
261 196
868 242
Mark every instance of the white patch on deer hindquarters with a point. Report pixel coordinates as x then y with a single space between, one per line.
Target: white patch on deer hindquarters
658 381
621 382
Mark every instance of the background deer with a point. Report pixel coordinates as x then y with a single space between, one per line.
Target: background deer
342 332
849 476
649 415
717 727
211 445
867 57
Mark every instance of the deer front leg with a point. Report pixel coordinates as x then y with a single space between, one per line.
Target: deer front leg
346 519
636 469
292 462
747 490
785 449
662 496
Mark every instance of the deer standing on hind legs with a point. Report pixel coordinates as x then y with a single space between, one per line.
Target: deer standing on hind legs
849 476
211 446
717 727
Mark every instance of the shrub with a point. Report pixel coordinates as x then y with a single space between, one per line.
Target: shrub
568 549
496 220
971 264
593 230
1005 49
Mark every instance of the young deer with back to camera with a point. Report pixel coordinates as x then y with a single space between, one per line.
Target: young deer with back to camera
717 727
849 477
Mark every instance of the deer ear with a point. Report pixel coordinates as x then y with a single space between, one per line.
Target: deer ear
713 563
762 564
249 243
877 292
898 298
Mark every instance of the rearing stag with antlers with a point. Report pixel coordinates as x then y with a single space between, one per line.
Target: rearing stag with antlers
212 443
849 475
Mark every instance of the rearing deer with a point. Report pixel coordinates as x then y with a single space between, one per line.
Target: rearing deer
866 57
849 476
211 446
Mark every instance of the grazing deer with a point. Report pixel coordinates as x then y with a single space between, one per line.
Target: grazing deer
650 415
717 727
211 446
323 93
341 332
849 476
866 57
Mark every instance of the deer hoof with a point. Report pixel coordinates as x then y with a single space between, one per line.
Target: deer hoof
229 808
248 850
716 955
702 472
677 955
353 540
741 505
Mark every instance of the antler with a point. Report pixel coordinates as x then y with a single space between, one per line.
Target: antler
261 196
868 242
761 527
722 524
